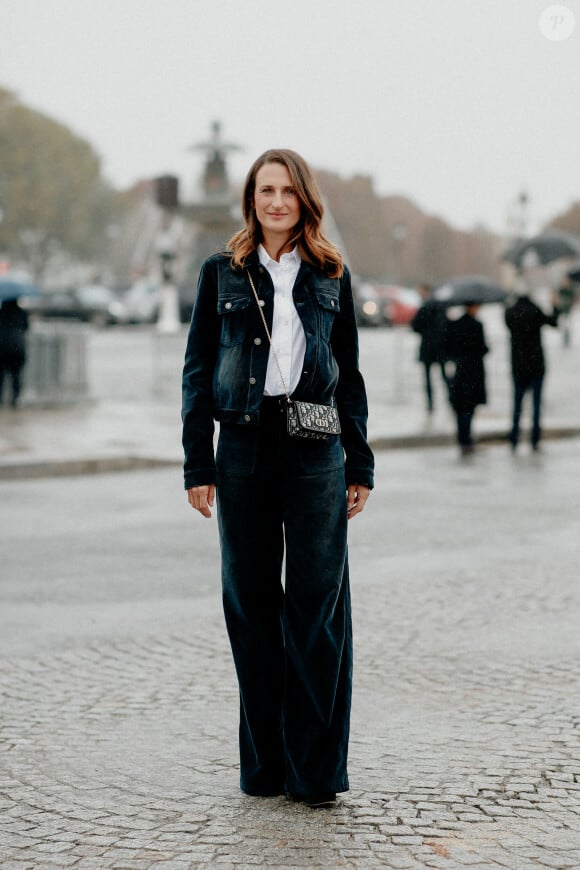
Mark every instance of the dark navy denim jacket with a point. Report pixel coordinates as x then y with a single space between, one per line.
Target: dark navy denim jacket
227 355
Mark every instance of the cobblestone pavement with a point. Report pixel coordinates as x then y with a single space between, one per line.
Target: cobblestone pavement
118 702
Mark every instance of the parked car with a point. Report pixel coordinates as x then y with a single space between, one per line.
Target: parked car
141 302
100 305
398 305
368 304
90 304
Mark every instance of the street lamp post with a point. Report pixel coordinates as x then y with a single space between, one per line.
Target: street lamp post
398 236
168 320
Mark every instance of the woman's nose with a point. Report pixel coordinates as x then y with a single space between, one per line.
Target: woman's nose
277 200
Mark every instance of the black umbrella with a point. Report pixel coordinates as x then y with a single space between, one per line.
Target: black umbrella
466 289
544 248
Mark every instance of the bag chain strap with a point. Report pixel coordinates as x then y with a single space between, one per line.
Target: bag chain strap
262 315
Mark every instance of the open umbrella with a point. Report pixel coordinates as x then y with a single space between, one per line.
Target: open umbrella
544 248
16 284
474 289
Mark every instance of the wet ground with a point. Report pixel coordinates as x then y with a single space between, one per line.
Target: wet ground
118 718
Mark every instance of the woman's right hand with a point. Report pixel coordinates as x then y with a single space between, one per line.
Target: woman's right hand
201 498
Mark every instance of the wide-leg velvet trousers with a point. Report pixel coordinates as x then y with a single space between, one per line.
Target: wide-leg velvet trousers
282 504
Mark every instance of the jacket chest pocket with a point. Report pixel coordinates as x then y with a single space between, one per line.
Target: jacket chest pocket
234 313
327 306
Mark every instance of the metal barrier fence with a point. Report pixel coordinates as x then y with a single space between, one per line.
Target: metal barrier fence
56 364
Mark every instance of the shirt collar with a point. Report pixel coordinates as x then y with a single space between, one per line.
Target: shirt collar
266 259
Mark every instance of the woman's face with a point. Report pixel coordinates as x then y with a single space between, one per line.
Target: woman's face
275 200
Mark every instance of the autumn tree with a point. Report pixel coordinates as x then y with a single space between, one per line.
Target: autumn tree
52 194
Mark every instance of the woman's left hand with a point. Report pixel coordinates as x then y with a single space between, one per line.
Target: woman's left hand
356 496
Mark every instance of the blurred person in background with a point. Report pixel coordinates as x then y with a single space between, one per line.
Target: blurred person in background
525 320
13 326
280 496
431 323
466 347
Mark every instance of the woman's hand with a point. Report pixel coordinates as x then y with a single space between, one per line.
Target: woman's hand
356 496
201 498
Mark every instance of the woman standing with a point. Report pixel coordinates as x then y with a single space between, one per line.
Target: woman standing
277 494
466 347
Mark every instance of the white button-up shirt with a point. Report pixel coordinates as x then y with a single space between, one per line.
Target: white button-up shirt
288 336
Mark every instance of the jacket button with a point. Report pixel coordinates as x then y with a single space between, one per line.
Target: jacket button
257 341
262 303
252 380
228 304
247 418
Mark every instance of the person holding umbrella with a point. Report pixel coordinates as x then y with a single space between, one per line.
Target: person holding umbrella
13 326
466 346
525 320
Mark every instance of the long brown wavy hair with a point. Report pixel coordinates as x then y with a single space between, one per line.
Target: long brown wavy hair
307 235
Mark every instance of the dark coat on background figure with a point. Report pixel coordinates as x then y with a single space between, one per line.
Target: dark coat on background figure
13 325
431 322
465 346
525 319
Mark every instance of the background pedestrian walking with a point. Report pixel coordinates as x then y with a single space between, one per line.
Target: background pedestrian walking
466 348
525 320
13 326
431 323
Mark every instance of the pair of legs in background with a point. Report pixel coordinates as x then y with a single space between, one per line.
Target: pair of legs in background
521 387
429 384
292 645
464 436
13 373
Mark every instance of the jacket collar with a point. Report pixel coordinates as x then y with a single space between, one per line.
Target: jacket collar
253 262
265 257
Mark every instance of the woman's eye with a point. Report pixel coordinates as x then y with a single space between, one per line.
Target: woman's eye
269 191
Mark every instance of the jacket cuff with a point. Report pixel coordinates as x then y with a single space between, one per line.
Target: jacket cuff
201 477
362 478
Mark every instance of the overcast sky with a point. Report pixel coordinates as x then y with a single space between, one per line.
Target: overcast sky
459 104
